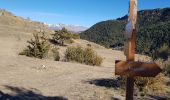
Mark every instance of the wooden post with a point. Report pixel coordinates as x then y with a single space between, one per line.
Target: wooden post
130 57
130 53
130 68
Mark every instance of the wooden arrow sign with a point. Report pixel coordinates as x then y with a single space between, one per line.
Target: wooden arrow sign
142 69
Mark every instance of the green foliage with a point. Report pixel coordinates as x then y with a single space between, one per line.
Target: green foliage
75 36
86 56
153 37
56 54
38 47
107 33
153 31
64 36
91 58
75 54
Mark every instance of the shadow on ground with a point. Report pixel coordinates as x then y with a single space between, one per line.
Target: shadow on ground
56 43
155 97
109 83
115 83
24 94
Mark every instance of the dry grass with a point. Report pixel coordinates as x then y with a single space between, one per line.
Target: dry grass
165 65
151 85
56 54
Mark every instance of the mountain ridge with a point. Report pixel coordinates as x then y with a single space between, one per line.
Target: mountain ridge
152 25
69 27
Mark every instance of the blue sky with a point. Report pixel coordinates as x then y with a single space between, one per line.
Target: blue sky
77 12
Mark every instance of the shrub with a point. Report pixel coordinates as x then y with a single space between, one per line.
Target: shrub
145 85
165 65
56 54
63 36
38 47
70 41
75 54
86 56
91 58
75 36
150 84
163 52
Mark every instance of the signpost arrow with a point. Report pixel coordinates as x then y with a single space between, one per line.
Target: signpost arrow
142 69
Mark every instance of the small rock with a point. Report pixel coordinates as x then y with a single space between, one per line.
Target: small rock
43 66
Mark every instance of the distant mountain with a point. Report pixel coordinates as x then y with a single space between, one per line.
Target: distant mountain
72 28
153 30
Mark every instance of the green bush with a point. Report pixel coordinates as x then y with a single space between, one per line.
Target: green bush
56 54
75 54
86 56
91 58
63 36
75 36
38 47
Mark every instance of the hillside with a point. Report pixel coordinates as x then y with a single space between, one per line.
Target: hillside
9 20
152 31
25 78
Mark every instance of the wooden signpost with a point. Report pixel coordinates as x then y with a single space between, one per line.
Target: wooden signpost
129 67
142 69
